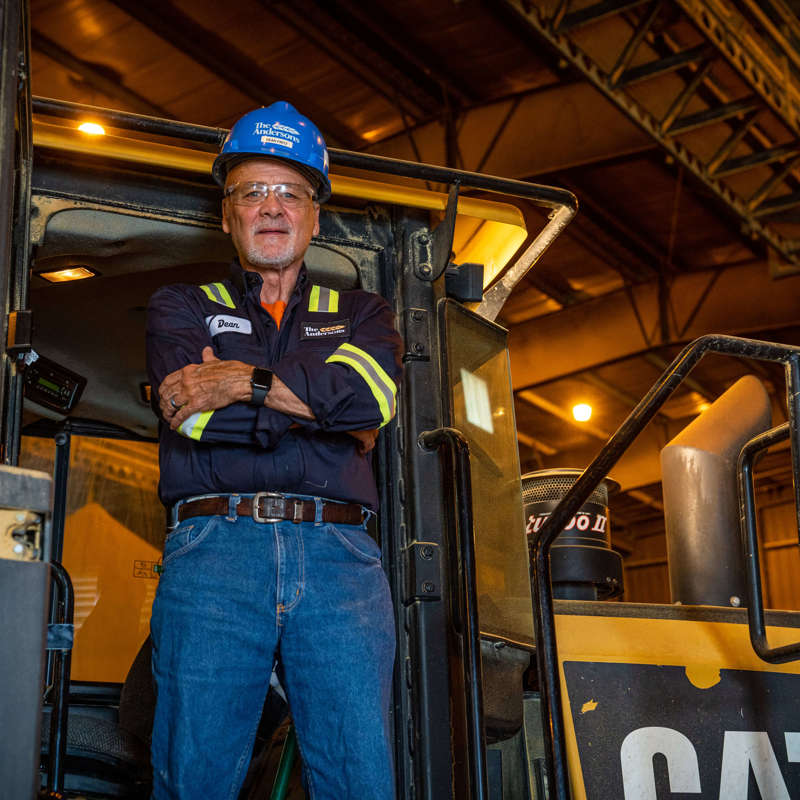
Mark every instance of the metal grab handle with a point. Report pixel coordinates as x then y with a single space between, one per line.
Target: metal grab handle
541 541
61 676
747 523
459 447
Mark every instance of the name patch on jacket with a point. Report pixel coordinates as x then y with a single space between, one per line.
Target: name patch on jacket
223 323
321 330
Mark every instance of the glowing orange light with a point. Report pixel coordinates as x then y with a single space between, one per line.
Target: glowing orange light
92 128
582 412
71 274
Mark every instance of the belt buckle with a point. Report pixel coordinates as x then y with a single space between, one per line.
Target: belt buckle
275 496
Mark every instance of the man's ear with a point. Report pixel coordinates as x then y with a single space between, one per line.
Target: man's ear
225 226
316 220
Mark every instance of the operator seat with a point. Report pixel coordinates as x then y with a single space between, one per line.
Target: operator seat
111 756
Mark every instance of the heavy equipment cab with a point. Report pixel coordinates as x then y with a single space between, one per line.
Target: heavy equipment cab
514 679
97 224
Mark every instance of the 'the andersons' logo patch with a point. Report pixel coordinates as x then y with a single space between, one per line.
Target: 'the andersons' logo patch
311 330
223 323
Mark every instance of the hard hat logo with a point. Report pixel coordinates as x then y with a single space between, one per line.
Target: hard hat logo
277 131
285 128
277 134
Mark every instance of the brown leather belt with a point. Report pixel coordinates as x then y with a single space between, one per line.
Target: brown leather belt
273 507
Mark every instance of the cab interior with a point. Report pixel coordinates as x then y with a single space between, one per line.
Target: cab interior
132 232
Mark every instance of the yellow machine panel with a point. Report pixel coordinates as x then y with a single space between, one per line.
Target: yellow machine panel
664 701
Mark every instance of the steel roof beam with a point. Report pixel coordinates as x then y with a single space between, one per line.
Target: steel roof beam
729 145
230 64
682 100
745 301
432 75
766 188
641 251
100 77
662 66
356 56
776 205
757 159
632 45
522 12
713 115
513 152
758 67
596 12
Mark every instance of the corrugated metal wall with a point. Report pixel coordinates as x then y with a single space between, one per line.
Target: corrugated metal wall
647 576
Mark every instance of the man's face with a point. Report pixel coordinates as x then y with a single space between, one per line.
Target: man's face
269 236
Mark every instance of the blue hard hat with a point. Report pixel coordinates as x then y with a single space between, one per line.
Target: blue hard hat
277 131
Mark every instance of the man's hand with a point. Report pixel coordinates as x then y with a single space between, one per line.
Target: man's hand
203 387
366 439
215 384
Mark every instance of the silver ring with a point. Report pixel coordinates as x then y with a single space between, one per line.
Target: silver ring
173 403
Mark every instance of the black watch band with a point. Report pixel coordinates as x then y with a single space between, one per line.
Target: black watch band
260 383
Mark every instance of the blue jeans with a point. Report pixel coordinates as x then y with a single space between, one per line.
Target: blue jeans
235 593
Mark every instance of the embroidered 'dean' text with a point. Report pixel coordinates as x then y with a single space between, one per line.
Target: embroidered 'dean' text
222 323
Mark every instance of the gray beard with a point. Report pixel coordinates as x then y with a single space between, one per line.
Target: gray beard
255 258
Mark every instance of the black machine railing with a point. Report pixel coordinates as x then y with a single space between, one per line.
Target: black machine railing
202 134
747 518
59 693
458 446
541 541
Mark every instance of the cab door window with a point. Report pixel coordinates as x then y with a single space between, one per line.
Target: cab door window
113 535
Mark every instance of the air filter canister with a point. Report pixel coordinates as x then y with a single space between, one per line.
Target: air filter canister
582 564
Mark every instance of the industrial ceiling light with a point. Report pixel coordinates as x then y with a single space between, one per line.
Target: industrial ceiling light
92 128
582 412
77 273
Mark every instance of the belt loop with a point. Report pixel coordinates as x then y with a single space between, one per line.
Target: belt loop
233 505
318 504
173 516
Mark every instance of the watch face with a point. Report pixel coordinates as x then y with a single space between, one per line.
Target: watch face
262 378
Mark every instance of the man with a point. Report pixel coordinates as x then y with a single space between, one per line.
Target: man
271 390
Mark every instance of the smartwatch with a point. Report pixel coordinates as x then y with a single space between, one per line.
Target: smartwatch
260 383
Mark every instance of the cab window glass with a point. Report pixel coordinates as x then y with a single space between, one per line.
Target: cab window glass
482 408
113 535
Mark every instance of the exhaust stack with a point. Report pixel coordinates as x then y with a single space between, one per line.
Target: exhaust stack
701 509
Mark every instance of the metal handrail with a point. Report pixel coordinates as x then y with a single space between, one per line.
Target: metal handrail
540 542
459 446
748 528
61 672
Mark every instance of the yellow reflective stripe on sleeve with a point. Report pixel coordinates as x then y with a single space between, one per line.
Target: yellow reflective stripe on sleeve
225 295
383 388
323 299
209 294
218 293
193 427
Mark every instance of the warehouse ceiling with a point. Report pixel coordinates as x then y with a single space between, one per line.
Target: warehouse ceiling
675 122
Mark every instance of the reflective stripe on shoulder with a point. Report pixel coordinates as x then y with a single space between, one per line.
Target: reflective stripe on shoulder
322 299
218 293
193 427
383 388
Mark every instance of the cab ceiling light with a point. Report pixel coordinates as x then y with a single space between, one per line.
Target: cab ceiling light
92 128
69 274
582 412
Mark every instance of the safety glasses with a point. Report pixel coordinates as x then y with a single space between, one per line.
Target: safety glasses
289 195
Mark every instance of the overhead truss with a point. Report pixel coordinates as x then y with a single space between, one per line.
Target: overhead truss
755 116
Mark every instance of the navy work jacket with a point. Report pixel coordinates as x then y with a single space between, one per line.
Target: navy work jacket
337 351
